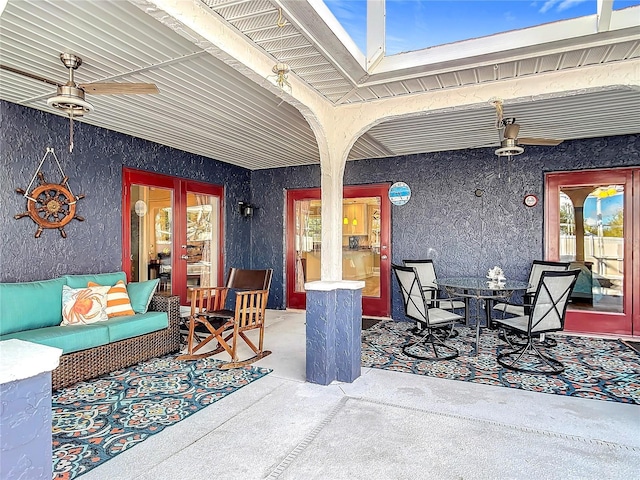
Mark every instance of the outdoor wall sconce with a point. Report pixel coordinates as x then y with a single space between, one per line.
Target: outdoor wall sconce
246 209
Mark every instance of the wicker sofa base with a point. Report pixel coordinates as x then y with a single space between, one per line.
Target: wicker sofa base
85 364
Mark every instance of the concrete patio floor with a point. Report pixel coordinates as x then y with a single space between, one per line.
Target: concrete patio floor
385 425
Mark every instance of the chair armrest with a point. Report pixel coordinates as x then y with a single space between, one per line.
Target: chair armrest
430 293
527 298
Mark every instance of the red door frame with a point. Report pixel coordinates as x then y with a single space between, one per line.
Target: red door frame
370 305
626 323
180 187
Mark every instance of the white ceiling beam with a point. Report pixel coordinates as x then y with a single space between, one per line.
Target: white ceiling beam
594 77
605 8
210 32
376 39
316 22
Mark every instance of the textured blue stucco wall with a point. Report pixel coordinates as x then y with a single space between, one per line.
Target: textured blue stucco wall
95 169
444 220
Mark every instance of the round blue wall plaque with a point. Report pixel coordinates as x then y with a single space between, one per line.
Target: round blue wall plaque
399 193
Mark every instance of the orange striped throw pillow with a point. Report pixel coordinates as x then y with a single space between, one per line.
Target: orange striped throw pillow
118 302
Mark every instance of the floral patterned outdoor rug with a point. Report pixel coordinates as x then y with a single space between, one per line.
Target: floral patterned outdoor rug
594 368
96 420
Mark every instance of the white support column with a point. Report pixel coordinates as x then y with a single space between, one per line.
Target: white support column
605 8
376 18
332 176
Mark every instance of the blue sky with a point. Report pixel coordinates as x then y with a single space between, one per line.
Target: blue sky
609 206
416 24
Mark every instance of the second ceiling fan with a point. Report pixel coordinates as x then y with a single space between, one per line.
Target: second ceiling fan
510 143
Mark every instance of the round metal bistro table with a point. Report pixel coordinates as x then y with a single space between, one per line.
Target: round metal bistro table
483 290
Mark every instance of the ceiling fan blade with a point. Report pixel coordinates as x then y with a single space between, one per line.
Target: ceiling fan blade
30 75
118 88
511 131
539 141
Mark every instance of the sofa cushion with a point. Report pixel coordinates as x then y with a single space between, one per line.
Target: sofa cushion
83 306
71 338
141 293
121 328
118 303
81 281
29 305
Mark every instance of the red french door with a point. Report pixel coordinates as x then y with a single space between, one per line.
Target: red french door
172 230
366 252
592 219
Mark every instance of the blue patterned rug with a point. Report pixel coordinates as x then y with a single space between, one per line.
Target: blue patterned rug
96 420
594 368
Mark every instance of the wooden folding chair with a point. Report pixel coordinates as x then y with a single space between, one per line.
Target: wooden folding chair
204 302
249 315
207 310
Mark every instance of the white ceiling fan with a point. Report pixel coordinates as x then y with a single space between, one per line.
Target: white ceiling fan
510 143
70 96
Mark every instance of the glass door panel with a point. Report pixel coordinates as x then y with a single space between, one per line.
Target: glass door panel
151 235
590 222
308 245
202 240
173 232
361 243
365 232
592 239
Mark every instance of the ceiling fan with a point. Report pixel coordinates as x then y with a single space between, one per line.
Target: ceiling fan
70 96
510 143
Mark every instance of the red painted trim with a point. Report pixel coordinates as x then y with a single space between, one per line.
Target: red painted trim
600 322
370 306
635 248
295 299
179 187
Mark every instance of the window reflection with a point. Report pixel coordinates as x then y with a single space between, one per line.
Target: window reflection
592 238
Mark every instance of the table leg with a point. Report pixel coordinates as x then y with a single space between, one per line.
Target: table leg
466 311
487 309
478 322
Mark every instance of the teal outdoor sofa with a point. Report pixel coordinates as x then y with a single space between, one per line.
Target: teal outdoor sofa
32 311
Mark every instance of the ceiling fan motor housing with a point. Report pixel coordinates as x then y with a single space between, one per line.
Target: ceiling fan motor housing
509 148
70 99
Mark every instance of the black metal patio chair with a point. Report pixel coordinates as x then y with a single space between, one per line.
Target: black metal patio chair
429 319
547 314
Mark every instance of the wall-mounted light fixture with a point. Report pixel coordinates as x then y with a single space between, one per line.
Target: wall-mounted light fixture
246 209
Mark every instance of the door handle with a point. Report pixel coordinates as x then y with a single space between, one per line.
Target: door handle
384 257
184 257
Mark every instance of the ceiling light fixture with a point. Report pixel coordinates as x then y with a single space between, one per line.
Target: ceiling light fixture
281 69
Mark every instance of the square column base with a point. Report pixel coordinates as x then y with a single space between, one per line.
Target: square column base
334 328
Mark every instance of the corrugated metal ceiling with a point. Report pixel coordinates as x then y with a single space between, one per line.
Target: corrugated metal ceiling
204 106
208 108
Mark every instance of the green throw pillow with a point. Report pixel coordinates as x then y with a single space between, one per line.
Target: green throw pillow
140 294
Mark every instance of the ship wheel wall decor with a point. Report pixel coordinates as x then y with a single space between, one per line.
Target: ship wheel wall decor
50 205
